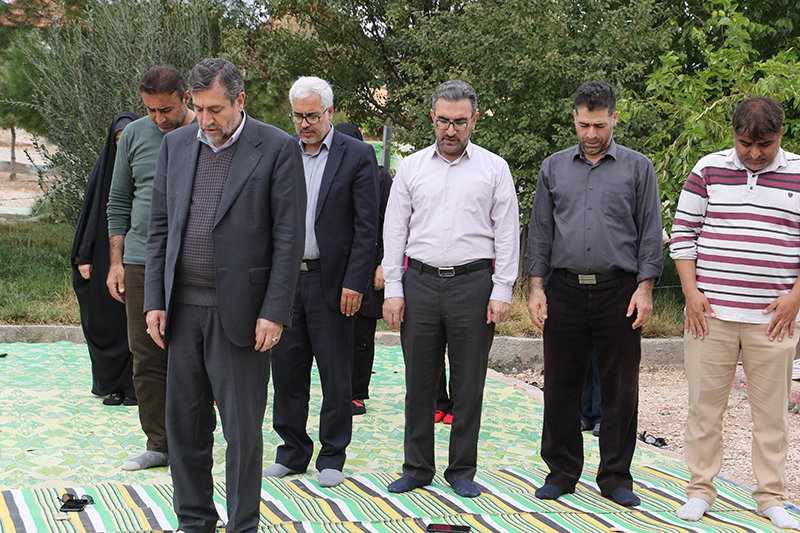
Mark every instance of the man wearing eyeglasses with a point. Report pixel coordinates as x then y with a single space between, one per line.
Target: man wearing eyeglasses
341 234
596 223
453 213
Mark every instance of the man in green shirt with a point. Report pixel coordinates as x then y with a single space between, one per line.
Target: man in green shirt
165 97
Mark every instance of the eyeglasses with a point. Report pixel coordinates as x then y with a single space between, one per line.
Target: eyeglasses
459 125
311 119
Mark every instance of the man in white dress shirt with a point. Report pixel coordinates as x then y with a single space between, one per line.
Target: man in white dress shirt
453 214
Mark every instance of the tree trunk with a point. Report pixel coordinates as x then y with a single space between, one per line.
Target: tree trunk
13 175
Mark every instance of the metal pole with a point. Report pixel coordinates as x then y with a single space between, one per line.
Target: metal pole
386 159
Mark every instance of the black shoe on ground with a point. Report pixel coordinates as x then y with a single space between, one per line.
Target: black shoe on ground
115 398
358 407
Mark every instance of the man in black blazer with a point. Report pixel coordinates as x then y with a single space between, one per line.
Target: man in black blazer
341 230
223 253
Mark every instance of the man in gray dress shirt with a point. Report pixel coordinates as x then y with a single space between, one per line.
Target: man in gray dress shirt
596 222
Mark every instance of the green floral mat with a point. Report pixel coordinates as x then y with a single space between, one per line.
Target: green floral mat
56 436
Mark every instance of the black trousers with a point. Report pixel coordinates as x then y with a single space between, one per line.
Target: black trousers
439 313
325 335
581 317
363 355
205 366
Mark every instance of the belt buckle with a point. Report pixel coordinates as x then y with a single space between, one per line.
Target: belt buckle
303 266
446 272
587 279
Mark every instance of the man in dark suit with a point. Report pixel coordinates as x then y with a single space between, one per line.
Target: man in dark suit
341 231
223 252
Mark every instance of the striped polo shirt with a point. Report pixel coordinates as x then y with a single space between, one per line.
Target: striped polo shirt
743 229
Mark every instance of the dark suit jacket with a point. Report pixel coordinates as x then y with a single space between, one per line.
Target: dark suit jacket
346 223
258 232
373 304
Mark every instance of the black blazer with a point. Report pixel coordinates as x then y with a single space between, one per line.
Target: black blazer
346 223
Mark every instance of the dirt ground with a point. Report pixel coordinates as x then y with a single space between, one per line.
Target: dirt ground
19 193
663 400
23 191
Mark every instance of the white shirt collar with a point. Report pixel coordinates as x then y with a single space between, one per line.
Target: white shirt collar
232 139
467 152
779 161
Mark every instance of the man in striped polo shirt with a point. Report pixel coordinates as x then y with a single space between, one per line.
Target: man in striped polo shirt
736 245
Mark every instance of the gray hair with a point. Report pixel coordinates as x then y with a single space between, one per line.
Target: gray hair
209 70
453 91
305 86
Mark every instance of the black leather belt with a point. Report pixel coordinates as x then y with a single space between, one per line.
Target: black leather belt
449 272
309 265
590 279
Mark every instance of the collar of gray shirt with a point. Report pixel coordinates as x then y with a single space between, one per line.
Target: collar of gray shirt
314 168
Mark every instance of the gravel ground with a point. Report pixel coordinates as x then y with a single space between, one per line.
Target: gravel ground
663 400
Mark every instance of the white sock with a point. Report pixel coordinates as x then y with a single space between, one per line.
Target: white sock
780 517
277 470
693 510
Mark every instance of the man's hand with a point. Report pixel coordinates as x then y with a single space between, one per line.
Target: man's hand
85 271
377 281
537 302
268 333
351 301
116 271
156 322
116 282
642 303
393 310
785 307
697 306
497 312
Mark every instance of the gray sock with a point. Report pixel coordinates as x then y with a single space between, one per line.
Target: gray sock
330 477
278 470
148 459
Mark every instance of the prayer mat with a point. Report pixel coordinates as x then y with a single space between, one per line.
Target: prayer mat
57 438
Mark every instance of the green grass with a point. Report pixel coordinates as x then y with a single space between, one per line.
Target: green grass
35 274
36 285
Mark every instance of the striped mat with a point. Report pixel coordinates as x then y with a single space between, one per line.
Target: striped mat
55 437
362 504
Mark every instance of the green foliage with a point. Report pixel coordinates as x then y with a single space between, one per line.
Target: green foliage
35 274
773 26
525 58
86 71
692 108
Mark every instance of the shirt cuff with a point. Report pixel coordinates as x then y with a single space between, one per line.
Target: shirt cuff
501 293
393 289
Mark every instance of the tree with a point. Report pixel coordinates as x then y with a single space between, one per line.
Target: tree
17 19
693 107
525 58
87 69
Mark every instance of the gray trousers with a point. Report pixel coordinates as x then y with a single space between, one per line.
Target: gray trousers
204 366
445 313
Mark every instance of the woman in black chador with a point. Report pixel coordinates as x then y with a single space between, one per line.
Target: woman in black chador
102 317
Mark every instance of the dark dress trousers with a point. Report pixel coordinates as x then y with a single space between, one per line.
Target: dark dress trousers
346 227
257 248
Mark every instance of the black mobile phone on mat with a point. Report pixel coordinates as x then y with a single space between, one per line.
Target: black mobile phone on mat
446 527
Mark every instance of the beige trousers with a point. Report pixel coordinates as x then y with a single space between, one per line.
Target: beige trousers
710 368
